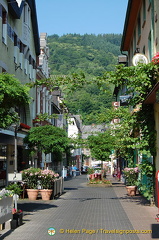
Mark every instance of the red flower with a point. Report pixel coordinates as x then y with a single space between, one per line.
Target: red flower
14 210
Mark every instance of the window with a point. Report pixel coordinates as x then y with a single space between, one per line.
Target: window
44 100
9 30
134 41
25 66
38 100
150 1
149 6
21 47
16 50
22 114
139 26
149 46
4 70
15 40
0 11
4 26
27 15
144 12
21 54
30 59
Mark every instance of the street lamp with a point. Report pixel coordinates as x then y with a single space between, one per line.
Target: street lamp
15 149
15 126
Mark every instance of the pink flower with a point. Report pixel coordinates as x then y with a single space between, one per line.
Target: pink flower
136 169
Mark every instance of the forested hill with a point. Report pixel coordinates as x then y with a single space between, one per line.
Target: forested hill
89 53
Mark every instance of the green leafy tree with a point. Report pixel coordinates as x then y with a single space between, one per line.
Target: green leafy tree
12 94
47 139
101 145
139 81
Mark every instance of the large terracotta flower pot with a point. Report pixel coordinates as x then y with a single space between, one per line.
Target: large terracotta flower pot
32 194
131 190
46 194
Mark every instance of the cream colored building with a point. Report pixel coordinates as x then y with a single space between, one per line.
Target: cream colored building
19 49
141 35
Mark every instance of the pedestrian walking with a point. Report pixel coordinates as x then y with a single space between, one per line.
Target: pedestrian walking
74 171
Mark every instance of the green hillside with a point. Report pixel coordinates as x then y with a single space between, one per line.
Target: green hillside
91 54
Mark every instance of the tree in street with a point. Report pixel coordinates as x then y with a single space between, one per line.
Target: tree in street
101 145
47 139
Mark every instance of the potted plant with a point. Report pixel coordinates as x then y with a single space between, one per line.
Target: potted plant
46 180
30 177
16 188
131 175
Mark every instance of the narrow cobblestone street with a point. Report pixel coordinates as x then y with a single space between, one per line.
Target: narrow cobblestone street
83 213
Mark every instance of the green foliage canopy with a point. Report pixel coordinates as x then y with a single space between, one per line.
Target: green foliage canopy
12 94
139 80
48 139
101 145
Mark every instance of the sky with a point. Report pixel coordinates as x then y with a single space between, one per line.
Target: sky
81 16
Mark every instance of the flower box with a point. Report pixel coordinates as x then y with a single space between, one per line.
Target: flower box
99 183
17 220
6 204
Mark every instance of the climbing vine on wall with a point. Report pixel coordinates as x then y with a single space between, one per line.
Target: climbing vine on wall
139 81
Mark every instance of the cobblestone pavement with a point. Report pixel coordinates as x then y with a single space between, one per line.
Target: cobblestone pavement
84 212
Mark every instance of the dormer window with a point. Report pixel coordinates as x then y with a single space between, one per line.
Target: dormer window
27 14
